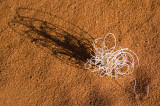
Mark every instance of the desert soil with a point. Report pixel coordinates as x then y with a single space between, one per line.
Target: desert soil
45 43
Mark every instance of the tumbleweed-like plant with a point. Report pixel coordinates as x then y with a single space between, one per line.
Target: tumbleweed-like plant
114 61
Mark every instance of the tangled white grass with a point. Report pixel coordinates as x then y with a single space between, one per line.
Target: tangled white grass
114 61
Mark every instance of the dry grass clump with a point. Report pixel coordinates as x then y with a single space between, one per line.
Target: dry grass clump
114 61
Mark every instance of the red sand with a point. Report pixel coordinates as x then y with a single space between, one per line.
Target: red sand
38 71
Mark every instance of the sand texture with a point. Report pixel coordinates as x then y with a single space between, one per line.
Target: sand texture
44 45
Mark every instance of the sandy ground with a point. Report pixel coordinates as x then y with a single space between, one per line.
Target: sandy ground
38 71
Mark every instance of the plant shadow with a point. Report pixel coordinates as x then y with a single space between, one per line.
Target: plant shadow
62 39
142 82
142 86
98 99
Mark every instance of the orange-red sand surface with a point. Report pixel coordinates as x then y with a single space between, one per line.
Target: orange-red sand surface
45 43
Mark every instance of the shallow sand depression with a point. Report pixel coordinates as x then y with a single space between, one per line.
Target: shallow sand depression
44 45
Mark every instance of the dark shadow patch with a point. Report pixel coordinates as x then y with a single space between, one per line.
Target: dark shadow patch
98 99
0 76
129 89
62 39
142 83
141 88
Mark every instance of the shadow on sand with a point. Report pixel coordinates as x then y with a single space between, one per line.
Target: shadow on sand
58 37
